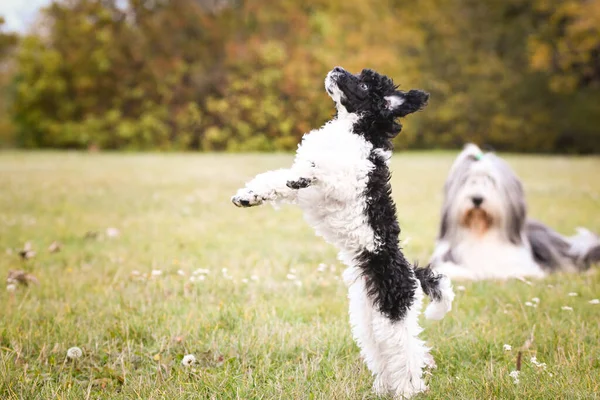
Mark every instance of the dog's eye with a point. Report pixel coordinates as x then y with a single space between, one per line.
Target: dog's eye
363 86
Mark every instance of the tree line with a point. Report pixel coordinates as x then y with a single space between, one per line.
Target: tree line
247 75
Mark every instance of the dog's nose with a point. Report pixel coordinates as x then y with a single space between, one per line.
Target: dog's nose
477 200
338 69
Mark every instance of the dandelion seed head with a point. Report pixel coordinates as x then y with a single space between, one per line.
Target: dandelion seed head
515 376
74 352
112 232
188 360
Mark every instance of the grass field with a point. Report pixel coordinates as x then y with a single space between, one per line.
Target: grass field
266 322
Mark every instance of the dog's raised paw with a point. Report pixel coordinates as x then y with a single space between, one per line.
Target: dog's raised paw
246 198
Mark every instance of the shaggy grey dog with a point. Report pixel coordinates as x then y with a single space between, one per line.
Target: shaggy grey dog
485 232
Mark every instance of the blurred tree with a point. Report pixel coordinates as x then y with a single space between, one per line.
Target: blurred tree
241 76
8 42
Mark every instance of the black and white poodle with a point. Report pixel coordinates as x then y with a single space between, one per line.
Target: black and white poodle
340 179
485 232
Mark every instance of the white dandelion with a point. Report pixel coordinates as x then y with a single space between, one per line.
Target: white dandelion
515 376
202 271
594 301
112 232
538 364
188 360
74 352
507 347
566 308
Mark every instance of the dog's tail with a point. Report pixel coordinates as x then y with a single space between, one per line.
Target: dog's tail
556 252
585 248
439 289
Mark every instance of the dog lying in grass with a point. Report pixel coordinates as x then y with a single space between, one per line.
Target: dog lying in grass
485 232
340 179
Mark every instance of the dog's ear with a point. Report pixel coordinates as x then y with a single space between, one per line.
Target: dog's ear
401 103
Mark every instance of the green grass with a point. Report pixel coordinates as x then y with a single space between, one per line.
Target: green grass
265 339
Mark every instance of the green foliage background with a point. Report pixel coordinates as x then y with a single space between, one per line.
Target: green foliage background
235 75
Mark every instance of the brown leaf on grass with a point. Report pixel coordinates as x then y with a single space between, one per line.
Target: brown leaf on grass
27 252
21 277
54 247
91 235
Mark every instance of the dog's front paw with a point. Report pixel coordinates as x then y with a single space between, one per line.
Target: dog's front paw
246 198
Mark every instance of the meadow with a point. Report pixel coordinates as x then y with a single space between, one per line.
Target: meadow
155 263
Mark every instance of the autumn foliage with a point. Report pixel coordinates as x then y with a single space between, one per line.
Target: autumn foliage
233 75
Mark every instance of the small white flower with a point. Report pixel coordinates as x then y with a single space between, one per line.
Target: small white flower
254 278
322 267
550 286
135 272
594 301
244 280
461 288
74 352
201 271
536 300
529 304
181 272
291 277
566 308
573 294
298 283
292 271
156 272
224 271
188 360
112 232
515 376
11 287
507 347
535 362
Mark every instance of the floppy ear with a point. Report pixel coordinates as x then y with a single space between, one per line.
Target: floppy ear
404 103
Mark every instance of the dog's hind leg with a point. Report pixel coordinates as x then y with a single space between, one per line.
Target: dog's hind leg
361 318
402 354
272 186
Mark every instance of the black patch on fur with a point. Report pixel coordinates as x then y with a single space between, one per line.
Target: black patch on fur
390 279
593 256
365 93
299 184
430 282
